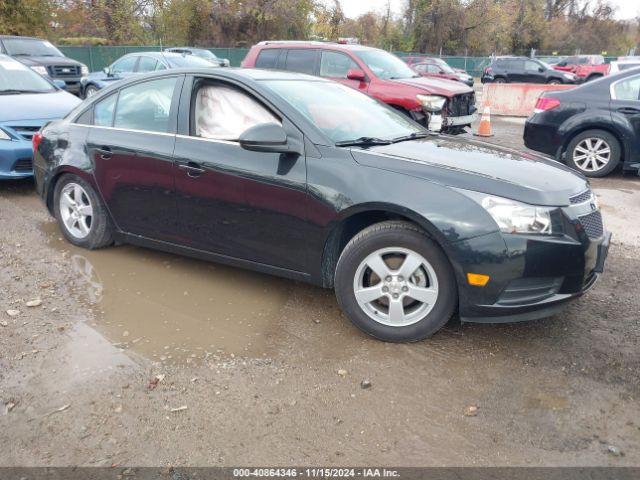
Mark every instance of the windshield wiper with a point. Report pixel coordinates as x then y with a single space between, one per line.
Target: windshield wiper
411 136
363 141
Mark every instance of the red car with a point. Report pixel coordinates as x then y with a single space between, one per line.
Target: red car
585 67
438 68
439 104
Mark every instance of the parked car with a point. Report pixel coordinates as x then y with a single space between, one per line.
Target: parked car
202 53
27 101
436 103
42 57
624 64
438 68
523 70
135 64
592 128
585 67
308 179
412 60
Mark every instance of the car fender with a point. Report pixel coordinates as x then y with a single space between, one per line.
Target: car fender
587 120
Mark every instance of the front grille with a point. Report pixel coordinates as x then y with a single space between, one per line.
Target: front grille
63 70
25 132
23 165
581 197
461 105
592 224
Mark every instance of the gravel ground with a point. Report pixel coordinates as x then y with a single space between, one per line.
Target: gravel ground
133 357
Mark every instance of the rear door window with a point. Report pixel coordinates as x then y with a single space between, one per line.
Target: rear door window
103 111
628 89
301 60
146 106
268 58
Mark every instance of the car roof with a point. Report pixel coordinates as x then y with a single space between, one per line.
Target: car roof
316 44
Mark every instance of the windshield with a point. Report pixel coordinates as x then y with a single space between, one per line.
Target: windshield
16 78
342 113
31 48
385 65
444 66
546 65
204 54
179 61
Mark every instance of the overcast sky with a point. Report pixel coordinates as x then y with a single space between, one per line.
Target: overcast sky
626 9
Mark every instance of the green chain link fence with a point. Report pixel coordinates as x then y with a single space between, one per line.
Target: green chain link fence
96 58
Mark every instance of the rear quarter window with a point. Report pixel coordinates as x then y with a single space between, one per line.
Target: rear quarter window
268 58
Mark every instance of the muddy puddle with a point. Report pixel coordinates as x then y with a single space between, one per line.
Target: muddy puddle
175 309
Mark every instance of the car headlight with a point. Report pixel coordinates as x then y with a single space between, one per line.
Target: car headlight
432 103
516 217
40 69
84 70
4 135
513 216
570 76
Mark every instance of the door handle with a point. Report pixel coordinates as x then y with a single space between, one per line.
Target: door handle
105 153
193 169
629 110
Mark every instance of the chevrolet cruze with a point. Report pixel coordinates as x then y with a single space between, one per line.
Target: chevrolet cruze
308 179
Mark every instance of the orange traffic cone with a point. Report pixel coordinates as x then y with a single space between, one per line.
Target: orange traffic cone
484 130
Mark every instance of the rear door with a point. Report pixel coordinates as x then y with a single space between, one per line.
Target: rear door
514 69
131 143
335 66
625 102
301 60
231 201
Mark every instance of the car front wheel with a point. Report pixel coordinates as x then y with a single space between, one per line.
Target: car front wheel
81 215
595 153
395 283
90 91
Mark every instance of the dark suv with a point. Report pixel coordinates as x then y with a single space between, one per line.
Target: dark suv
439 104
523 70
42 57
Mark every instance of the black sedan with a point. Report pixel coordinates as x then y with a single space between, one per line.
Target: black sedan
309 179
593 128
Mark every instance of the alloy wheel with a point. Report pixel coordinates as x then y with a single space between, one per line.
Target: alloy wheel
395 286
76 210
592 154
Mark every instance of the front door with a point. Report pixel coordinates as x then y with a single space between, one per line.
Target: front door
336 65
234 202
131 144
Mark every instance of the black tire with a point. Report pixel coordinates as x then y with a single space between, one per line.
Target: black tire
405 235
613 144
593 77
90 91
554 81
101 228
500 80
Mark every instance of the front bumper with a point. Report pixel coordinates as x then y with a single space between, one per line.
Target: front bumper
15 159
531 276
73 84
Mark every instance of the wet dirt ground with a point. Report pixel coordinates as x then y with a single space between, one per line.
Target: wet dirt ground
135 357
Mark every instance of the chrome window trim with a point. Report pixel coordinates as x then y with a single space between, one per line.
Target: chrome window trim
177 135
612 89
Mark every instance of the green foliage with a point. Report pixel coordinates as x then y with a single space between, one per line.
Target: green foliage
472 27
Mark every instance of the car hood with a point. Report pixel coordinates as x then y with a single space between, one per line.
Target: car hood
438 86
479 166
30 61
37 106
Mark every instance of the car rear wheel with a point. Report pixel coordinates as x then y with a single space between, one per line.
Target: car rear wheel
395 283
499 80
90 91
554 81
82 217
595 153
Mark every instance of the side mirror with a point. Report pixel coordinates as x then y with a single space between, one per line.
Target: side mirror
60 84
108 71
265 137
355 74
540 69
